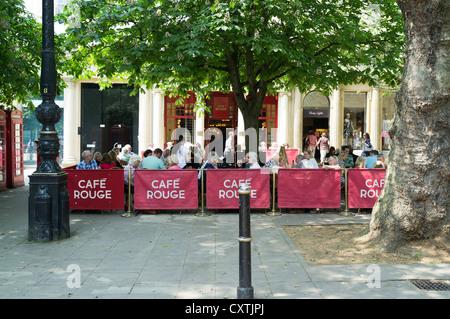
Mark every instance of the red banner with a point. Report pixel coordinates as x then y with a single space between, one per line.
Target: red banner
222 187
364 186
309 188
95 189
165 189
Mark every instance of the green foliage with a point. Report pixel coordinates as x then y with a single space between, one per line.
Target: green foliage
20 55
250 47
20 43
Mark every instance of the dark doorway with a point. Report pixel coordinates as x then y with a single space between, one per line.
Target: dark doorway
220 129
108 118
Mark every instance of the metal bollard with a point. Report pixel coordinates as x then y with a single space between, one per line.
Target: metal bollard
245 289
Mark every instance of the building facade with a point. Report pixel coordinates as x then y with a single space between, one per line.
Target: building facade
99 120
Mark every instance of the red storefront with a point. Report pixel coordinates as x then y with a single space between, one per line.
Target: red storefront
223 115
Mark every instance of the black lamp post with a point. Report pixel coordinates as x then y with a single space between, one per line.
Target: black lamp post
48 201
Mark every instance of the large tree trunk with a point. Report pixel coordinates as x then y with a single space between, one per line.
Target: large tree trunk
414 204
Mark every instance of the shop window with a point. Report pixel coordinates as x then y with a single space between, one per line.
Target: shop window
109 117
354 118
268 121
31 132
316 113
180 118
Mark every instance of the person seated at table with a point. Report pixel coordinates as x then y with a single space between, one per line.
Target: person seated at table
107 163
148 152
210 163
133 164
243 164
380 162
333 163
193 160
124 156
372 158
273 162
98 158
87 162
253 160
113 154
342 159
173 162
331 152
283 161
128 146
154 161
128 178
298 161
361 162
302 162
349 163
308 156
165 157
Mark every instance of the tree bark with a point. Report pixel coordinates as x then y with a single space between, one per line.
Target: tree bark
250 106
414 204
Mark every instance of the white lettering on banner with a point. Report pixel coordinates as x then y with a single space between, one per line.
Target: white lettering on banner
92 183
234 193
371 193
170 183
166 194
374 183
180 194
94 193
235 184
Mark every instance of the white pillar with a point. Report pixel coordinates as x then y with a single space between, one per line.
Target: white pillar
336 119
70 156
241 129
298 110
283 120
158 119
375 120
145 120
200 128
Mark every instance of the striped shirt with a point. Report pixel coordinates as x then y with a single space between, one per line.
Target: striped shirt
84 165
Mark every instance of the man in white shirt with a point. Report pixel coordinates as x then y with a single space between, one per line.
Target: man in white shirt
307 155
229 152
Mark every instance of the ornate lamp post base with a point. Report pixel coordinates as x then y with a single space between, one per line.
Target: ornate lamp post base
48 207
48 201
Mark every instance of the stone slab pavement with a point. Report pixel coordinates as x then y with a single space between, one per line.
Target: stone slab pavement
184 256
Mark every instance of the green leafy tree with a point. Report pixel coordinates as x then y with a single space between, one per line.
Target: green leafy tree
20 55
20 45
250 47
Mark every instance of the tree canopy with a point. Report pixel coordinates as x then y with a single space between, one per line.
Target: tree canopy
248 46
20 45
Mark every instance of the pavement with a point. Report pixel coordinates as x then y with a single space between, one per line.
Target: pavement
186 256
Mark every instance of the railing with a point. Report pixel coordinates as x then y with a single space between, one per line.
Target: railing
189 189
